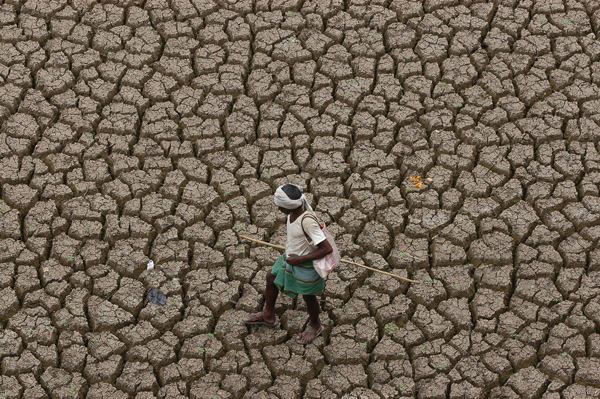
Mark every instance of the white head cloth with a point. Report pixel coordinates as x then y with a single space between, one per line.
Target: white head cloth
282 200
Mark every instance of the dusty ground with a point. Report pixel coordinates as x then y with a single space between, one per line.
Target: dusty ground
158 129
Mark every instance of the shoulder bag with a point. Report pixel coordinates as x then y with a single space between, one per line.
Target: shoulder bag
326 264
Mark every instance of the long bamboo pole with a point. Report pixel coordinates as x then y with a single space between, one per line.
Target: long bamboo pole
342 260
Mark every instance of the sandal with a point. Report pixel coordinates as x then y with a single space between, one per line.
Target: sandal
259 322
309 329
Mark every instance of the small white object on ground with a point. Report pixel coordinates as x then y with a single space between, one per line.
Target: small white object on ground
150 265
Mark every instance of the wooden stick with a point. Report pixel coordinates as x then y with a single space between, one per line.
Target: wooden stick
378 271
342 260
263 242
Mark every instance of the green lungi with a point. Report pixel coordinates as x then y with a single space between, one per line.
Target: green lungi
301 279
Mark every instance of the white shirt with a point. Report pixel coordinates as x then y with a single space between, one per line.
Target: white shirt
296 243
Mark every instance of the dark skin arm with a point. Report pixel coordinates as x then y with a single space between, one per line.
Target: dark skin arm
323 249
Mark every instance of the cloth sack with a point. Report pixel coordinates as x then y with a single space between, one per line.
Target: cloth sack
326 264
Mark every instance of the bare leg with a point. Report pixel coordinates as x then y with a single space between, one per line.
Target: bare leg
314 324
312 305
271 292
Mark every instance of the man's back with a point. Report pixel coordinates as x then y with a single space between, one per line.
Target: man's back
296 242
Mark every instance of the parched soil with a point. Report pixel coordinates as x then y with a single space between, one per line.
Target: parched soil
451 142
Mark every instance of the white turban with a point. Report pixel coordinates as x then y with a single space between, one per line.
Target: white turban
282 200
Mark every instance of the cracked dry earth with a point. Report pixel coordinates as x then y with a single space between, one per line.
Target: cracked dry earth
159 129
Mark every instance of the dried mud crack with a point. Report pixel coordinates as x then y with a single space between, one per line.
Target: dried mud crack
451 142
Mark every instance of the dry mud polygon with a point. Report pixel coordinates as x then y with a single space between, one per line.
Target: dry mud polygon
159 129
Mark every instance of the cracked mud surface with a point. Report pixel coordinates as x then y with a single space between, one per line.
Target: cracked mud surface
159 129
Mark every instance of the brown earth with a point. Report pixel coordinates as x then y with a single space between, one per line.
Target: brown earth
451 142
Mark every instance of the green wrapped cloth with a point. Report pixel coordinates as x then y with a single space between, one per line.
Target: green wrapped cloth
301 279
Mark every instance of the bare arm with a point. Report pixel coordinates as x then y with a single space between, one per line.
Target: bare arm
323 249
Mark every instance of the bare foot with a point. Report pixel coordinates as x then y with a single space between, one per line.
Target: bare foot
309 334
261 319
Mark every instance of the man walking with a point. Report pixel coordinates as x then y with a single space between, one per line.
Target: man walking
293 272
